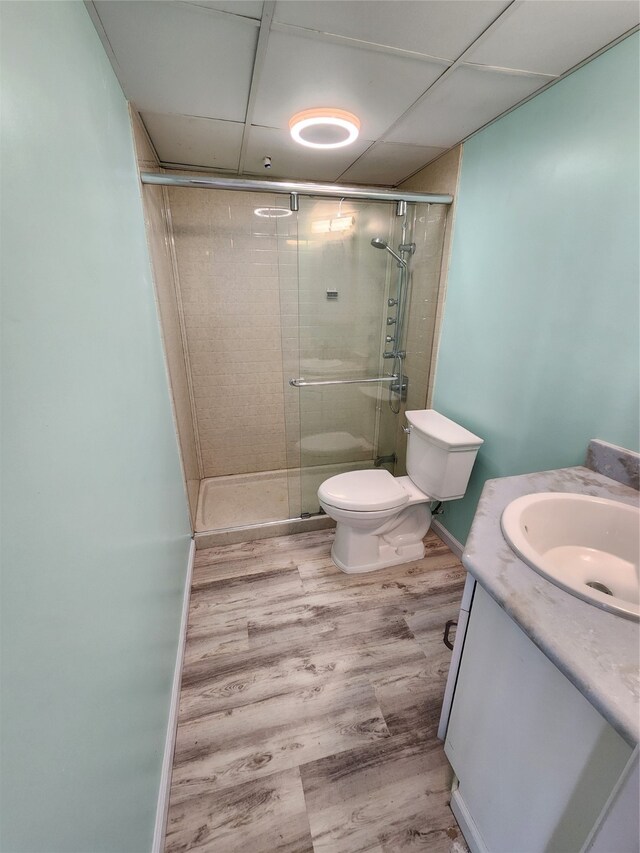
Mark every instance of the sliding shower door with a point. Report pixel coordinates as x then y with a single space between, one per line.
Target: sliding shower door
335 332
266 295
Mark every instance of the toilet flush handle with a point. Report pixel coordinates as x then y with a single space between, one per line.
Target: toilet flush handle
406 429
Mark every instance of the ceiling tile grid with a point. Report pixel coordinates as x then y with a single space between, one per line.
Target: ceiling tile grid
301 72
437 28
551 37
463 101
388 163
246 8
193 140
421 75
180 58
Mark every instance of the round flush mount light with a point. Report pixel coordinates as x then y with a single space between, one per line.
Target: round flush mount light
272 212
324 128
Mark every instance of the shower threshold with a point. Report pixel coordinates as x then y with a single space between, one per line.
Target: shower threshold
265 530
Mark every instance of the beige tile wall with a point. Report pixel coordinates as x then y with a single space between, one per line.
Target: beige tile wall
256 314
428 234
159 240
432 233
441 176
425 280
231 264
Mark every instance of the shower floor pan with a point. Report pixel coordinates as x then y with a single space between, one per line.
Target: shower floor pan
239 500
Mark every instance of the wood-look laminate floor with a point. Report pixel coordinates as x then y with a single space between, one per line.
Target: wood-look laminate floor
310 702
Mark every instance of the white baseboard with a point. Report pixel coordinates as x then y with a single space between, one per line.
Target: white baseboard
467 823
447 538
172 725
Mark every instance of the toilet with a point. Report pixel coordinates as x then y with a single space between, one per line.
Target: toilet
382 519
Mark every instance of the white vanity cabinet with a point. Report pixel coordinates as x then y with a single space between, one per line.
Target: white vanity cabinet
535 762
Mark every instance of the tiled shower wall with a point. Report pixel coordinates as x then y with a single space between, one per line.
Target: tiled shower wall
233 267
429 279
253 293
441 176
159 240
256 314
430 220
425 278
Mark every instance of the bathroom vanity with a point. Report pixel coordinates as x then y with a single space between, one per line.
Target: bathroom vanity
543 718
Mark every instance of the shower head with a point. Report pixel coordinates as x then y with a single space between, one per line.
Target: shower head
379 243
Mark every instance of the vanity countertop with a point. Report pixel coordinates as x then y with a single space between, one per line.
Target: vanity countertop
599 652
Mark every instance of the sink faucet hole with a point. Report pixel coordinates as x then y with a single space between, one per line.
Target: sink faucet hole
600 587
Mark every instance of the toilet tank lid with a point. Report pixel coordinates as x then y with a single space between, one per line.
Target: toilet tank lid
442 431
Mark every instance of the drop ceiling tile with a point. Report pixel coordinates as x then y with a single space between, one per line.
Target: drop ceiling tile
195 141
389 163
291 160
181 58
552 37
246 8
462 103
302 73
436 27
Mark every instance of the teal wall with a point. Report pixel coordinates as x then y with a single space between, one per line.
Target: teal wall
540 349
95 531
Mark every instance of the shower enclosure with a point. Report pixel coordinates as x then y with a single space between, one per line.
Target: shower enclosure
307 327
347 375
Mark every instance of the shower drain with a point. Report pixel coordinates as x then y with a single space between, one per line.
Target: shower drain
600 587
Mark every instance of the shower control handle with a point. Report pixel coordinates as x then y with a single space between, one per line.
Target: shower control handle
389 339
391 321
392 302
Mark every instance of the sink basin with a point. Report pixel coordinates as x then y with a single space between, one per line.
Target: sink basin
587 546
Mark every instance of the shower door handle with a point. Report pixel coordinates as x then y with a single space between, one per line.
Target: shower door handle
304 383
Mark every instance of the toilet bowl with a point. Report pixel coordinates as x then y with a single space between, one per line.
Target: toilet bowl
386 528
381 520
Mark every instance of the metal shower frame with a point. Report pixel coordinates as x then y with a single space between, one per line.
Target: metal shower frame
292 188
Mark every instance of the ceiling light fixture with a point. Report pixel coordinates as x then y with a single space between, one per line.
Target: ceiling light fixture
324 128
272 212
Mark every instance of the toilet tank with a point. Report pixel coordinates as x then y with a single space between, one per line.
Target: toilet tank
440 454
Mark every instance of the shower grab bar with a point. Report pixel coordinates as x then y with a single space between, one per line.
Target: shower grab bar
303 383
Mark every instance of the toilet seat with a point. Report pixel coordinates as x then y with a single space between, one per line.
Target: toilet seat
363 491
382 520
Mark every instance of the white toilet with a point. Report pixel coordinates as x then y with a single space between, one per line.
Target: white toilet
381 519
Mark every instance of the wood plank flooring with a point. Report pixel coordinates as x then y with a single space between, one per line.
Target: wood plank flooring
310 702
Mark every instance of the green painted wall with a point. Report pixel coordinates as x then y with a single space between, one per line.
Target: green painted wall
540 348
95 530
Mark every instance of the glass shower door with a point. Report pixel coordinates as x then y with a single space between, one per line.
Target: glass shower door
343 287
